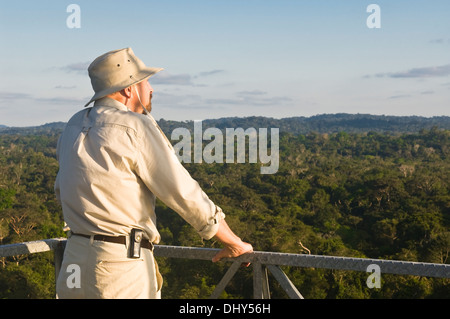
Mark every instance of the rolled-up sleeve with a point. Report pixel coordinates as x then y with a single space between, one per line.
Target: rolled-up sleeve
164 175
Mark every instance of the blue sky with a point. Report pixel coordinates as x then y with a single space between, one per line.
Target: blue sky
231 58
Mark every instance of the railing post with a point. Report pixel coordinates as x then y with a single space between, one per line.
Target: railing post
260 282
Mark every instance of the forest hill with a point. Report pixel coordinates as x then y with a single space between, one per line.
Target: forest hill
347 191
213 151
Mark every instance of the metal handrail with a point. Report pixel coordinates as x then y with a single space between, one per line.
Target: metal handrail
262 263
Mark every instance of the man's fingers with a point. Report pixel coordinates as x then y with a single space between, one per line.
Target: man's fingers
218 256
226 253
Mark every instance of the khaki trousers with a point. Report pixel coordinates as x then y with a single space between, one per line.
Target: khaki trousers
94 269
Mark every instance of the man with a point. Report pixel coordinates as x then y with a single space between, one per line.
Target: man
114 161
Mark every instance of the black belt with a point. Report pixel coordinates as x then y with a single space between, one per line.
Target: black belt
145 243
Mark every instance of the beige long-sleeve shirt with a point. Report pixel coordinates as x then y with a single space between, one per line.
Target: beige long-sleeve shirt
113 163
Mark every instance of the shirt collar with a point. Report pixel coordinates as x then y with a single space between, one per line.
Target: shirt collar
107 101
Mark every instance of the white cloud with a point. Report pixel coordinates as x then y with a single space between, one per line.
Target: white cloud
440 41
172 79
183 79
14 96
251 93
64 87
208 73
424 72
399 96
241 99
79 67
9 96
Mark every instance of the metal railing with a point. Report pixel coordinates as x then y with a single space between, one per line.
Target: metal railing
262 262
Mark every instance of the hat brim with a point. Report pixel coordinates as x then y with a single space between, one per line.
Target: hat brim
141 76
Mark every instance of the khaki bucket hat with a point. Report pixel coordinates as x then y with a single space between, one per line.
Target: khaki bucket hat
117 70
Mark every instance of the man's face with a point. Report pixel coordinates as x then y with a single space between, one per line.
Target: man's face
145 93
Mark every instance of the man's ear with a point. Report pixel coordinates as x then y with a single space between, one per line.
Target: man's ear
126 92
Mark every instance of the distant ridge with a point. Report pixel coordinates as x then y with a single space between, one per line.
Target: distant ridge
48 128
323 123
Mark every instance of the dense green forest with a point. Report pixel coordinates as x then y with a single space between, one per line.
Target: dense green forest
343 188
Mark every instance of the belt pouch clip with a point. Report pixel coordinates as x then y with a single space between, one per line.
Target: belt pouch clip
136 237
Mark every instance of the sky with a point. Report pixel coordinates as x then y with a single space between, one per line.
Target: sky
277 59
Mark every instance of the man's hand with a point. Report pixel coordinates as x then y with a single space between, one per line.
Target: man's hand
235 251
234 246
